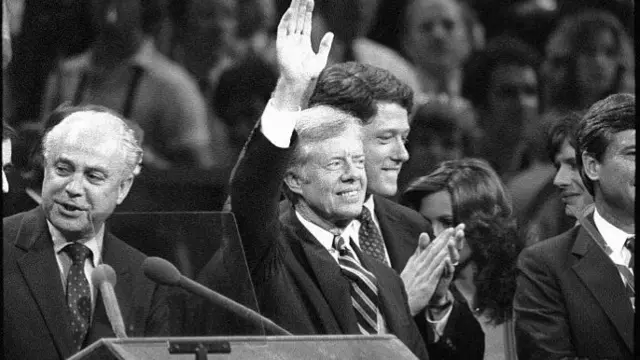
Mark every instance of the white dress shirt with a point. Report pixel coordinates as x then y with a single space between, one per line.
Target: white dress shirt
615 239
350 233
64 260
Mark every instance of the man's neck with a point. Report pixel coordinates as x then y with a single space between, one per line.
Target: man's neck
446 81
615 216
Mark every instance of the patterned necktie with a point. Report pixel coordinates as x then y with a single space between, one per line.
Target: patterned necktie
626 272
370 239
364 288
78 293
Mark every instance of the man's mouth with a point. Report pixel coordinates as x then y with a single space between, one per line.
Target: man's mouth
348 193
70 207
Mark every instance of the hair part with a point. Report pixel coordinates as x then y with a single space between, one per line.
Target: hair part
607 117
356 89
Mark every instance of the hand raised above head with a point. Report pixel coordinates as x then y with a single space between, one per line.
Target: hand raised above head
297 61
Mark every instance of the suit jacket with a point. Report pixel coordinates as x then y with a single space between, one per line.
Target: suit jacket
570 301
36 315
298 284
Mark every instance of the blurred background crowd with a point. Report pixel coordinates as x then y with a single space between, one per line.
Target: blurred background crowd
490 77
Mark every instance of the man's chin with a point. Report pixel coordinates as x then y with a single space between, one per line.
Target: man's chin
383 189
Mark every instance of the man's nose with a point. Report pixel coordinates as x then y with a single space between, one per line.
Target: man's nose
75 185
562 177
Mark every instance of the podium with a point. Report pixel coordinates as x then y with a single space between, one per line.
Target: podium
367 347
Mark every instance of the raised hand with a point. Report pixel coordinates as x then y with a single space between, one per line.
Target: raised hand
297 61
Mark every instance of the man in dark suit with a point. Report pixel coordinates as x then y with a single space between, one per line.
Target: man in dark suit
51 307
383 103
575 293
300 263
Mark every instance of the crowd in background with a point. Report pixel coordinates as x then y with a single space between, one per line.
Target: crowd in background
490 79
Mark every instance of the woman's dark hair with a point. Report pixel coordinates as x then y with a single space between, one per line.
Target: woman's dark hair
480 201
574 35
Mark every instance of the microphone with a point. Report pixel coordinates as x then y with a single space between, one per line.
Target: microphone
163 272
104 278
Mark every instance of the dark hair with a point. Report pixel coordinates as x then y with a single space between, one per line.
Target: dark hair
8 133
480 201
575 33
355 88
602 121
500 51
564 129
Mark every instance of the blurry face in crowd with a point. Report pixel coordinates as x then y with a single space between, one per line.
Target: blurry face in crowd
615 176
512 98
85 177
332 181
6 162
568 181
213 21
384 146
118 19
436 38
597 65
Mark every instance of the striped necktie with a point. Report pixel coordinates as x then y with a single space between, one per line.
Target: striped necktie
78 293
364 288
625 271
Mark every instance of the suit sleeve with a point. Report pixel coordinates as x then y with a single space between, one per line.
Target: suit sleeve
541 327
462 338
255 194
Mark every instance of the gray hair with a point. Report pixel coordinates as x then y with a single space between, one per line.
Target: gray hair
101 118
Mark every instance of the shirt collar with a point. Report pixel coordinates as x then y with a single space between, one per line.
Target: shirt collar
325 237
94 244
613 236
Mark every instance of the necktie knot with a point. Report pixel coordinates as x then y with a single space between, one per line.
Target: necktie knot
365 215
630 243
78 252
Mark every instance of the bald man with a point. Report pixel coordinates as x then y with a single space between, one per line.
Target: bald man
51 308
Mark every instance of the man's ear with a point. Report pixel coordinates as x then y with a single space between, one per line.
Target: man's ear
123 189
590 166
294 182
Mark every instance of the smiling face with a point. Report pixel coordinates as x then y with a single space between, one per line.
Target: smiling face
568 181
384 145
614 177
85 177
332 182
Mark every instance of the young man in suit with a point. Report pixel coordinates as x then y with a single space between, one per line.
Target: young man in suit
51 307
394 232
575 293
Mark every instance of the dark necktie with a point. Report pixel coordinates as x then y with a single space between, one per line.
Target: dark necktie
371 241
626 272
364 288
78 293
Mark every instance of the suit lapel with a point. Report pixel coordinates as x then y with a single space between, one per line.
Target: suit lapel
601 277
395 239
389 302
114 253
328 276
42 275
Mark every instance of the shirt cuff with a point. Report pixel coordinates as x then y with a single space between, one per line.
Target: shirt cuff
438 325
278 125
